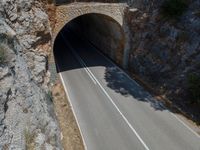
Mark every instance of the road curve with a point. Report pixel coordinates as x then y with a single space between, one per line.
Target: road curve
113 112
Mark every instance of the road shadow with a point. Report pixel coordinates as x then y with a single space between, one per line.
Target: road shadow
114 77
117 81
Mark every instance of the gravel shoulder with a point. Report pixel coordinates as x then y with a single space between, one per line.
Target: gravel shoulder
70 134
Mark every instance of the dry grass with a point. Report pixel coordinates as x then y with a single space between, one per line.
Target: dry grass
173 9
71 136
29 138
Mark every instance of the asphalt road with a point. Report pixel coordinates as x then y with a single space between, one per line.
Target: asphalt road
113 112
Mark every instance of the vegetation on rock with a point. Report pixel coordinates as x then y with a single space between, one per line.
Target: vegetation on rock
194 87
29 139
173 9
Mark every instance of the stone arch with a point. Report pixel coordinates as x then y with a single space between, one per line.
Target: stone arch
67 13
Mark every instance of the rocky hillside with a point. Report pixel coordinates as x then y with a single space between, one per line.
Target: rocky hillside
165 53
165 49
26 114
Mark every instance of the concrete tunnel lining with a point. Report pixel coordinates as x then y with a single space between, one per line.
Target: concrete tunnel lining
102 31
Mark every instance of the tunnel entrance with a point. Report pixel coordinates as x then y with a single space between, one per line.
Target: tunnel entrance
100 31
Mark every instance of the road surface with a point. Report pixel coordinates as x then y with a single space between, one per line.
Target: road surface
113 112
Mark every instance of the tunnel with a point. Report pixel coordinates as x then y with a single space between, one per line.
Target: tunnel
101 32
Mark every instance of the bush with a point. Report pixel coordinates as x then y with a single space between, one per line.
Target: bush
194 87
173 9
183 37
47 1
197 13
2 54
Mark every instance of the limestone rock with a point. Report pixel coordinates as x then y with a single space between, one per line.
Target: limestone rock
165 51
40 139
24 102
6 29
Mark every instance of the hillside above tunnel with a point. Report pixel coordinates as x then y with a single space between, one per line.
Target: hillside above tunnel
157 44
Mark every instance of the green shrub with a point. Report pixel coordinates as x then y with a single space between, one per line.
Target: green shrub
183 37
197 13
173 9
49 96
50 1
2 54
194 87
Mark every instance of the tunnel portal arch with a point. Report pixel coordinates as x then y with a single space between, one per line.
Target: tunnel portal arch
116 12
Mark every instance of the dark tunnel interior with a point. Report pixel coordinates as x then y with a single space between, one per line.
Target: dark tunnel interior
99 30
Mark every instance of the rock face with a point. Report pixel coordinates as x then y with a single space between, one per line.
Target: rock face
164 52
26 111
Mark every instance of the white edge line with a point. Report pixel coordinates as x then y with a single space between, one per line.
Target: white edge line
176 117
67 94
189 128
125 119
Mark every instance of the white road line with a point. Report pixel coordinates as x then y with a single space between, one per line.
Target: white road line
67 94
125 119
112 63
88 72
86 69
175 116
185 125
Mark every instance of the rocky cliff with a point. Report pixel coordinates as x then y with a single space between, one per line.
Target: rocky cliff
26 114
165 49
164 52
